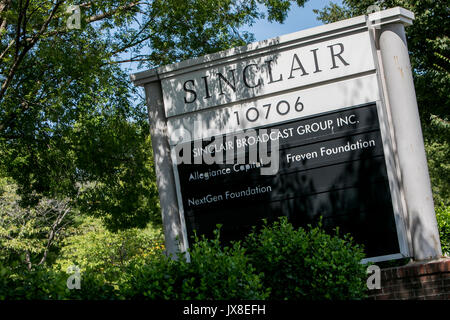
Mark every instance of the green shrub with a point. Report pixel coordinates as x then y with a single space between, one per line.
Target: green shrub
43 283
94 247
93 286
214 273
443 220
278 262
436 136
103 256
38 284
307 264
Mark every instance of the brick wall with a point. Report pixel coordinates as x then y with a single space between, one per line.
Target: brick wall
421 281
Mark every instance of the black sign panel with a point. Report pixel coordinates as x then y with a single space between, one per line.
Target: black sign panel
330 166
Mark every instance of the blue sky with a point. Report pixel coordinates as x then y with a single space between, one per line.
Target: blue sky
299 18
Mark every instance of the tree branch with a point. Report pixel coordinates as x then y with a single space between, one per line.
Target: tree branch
11 43
19 57
132 42
53 231
111 13
130 60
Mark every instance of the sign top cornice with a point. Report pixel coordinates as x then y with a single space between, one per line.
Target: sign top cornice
303 37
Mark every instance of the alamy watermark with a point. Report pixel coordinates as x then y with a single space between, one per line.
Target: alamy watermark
373 11
74 281
74 20
249 147
374 280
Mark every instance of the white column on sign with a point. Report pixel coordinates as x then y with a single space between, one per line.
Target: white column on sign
409 140
163 168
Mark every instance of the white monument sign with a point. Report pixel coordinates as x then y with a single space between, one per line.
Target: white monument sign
331 111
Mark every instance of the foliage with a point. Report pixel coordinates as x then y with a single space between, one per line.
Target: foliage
301 264
213 273
183 29
74 138
40 283
69 125
92 287
443 220
103 258
437 146
278 262
32 234
97 251
43 283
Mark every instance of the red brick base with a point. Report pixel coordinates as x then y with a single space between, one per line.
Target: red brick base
420 281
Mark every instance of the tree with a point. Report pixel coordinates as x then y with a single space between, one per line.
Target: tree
429 46
30 234
92 247
68 124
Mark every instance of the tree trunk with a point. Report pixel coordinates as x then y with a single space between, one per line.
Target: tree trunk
28 261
